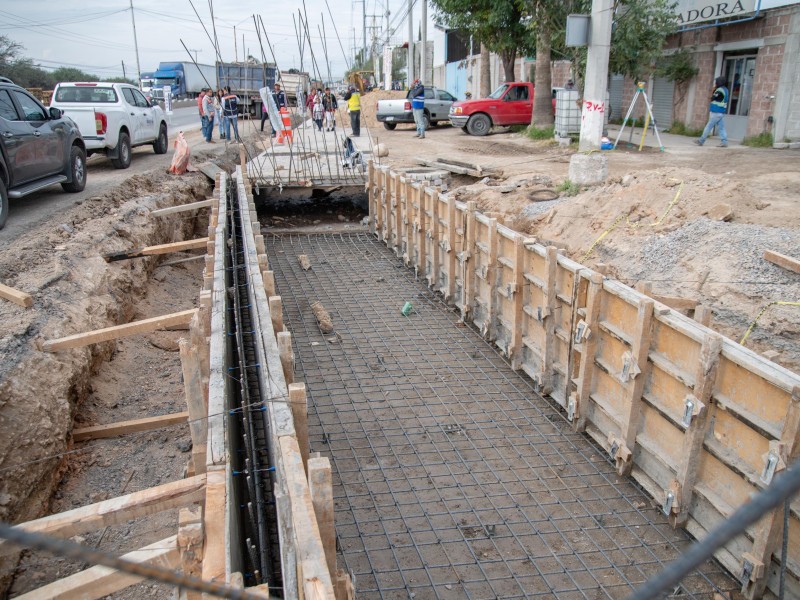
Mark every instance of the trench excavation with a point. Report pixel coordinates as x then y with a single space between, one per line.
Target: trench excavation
452 477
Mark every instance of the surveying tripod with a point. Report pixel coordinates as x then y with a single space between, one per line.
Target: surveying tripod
648 118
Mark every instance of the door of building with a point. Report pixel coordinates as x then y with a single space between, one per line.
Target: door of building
740 72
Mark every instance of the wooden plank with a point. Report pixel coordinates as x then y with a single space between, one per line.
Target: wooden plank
97 582
703 315
269 282
190 545
171 210
24 299
298 402
435 232
195 402
769 529
320 483
451 249
214 549
675 302
640 348
115 511
408 220
276 313
79 340
374 209
787 262
549 294
421 229
587 348
398 215
689 465
516 347
489 328
467 274
96 432
159 249
286 354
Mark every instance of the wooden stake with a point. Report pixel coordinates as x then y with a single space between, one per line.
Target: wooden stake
299 405
515 350
374 207
17 297
468 274
276 313
549 296
435 232
399 189
320 483
269 282
79 340
97 432
587 349
195 401
214 549
787 262
287 355
451 249
160 249
703 314
190 545
422 228
408 220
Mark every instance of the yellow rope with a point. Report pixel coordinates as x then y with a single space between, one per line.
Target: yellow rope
761 312
602 235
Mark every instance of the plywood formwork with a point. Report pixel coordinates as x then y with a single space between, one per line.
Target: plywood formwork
700 421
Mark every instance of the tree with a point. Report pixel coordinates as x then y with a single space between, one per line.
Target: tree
486 72
500 24
9 50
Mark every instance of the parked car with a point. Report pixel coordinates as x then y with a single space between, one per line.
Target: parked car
39 147
437 108
510 104
113 118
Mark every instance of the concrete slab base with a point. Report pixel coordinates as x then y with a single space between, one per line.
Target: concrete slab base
588 169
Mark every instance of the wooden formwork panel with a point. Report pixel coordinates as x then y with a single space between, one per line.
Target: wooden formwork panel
695 418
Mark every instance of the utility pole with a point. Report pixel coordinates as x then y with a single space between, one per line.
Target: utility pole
594 91
136 46
364 27
423 62
124 76
410 68
387 75
235 46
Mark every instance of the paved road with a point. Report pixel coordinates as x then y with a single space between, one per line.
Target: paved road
28 212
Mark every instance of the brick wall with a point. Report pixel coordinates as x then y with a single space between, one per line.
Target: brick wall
765 85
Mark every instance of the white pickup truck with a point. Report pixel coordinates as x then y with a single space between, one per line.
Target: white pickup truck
113 118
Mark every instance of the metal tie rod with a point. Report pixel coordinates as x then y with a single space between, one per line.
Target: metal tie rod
784 487
67 549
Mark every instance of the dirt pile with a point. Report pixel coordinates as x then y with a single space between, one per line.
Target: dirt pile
369 105
74 290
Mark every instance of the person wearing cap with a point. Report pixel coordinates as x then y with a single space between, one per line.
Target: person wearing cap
353 99
717 110
418 107
207 119
200 104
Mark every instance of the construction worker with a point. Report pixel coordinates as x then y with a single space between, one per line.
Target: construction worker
418 107
717 110
353 99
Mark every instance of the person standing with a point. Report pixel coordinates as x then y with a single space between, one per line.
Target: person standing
330 105
200 108
717 110
318 110
208 116
230 111
280 102
418 107
218 112
353 99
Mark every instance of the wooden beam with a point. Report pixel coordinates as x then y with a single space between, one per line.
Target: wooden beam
79 340
516 350
98 582
675 302
549 293
587 348
320 483
181 208
160 249
190 545
97 432
451 249
398 186
408 219
787 262
276 313
298 402
16 296
374 211
214 550
703 315
116 511
286 355
269 282
195 402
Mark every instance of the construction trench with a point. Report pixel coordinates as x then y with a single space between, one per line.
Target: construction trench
484 419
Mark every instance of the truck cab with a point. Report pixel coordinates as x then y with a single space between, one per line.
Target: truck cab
510 104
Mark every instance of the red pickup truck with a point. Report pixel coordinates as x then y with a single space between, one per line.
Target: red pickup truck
509 104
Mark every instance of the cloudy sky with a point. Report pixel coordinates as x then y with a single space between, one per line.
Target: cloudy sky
97 36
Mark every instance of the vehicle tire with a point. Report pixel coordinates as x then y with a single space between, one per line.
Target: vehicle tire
390 126
123 161
161 145
426 119
77 166
3 204
479 124
464 129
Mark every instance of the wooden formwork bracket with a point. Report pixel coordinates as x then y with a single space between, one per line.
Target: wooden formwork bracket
450 249
214 546
190 545
422 228
374 206
286 355
269 282
548 315
408 221
320 482
196 403
696 427
635 374
467 274
276 313
298 402
515 352
434 234
489 329
586 343
399 190
769 529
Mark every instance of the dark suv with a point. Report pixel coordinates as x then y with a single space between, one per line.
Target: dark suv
38 147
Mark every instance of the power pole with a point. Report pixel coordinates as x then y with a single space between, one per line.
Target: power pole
364 27
124 76
594 91
235 46
410 68
423 62
387 76
136 46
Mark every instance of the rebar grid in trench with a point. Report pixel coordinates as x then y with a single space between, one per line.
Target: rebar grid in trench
452 477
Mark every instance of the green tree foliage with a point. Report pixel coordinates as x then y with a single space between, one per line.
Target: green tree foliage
500 24
24 72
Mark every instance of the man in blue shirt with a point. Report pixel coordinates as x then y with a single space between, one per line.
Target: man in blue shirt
717 110
418 107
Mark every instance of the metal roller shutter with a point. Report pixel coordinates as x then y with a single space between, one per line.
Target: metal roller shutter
615 97
663 91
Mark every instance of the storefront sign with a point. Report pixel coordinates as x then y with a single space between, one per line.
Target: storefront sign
691 12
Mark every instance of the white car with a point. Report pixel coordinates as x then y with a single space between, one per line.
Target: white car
113 118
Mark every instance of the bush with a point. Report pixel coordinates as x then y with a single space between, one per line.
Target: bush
540 133
568 188
679 128
762 140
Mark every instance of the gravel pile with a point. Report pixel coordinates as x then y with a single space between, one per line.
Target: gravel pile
537 208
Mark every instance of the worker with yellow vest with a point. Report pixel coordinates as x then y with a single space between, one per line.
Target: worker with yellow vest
353 99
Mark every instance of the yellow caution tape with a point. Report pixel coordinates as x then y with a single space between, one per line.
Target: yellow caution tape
669 206
761 312
604 234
